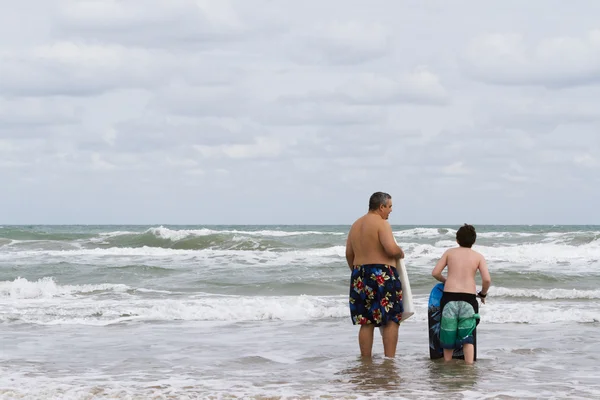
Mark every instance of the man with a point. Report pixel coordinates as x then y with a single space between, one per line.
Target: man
459 302
375 289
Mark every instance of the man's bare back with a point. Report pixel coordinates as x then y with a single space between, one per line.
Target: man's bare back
368 240
371 247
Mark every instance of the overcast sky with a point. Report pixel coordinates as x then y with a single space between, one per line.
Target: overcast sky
275 112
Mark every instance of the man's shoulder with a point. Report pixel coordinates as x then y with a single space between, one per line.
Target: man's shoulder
358 221
381 225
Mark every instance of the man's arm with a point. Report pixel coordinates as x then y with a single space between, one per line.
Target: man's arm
386 237
486 280
439 267
349 251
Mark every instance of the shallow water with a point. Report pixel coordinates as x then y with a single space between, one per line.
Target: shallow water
290 359
126 313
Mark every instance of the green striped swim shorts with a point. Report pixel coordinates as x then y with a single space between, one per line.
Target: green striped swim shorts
459 320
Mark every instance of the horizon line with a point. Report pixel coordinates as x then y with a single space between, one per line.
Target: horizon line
289 224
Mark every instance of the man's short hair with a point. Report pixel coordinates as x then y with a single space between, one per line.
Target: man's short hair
466 235
378 199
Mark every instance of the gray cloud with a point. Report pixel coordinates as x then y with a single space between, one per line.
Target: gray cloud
340 43
542 111
202 101
178 23
140 111
20 117
554 62
79 69
417 87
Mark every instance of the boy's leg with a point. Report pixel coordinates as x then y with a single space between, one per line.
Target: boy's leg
466 325
469 353
448 354
448 329
365 339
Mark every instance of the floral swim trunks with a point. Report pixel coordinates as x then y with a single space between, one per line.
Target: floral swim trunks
375 295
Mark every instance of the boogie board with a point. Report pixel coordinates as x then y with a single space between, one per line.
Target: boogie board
434 317
407 302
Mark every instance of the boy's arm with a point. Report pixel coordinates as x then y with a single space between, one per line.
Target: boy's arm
486 280
439 267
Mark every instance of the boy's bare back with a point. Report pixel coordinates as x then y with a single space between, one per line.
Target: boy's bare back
463 264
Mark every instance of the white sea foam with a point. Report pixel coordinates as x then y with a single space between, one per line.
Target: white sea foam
500 311
87 386
21 288
448 233
547 258
505 235
274 233
158 256
530 256
36 388
175 386
546 294
445 236
46 288
117 233
542 253
538 313
44 302
60 311
424 233
176 235
180 234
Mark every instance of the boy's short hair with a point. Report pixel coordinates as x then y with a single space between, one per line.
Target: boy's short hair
466 235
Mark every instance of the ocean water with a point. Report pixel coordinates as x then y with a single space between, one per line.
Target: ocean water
226 312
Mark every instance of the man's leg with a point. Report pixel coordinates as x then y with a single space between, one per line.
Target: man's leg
390 338
365 339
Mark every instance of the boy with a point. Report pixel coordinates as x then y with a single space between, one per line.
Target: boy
459 301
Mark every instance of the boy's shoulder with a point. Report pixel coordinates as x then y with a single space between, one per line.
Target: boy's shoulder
463 250
476 252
